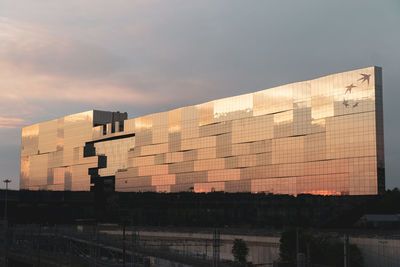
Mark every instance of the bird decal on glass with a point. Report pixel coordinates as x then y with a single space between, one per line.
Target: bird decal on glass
365 77
351 86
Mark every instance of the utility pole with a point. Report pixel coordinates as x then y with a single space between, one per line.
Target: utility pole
346 251
96 231
216 244
39 239
6 181
300 256
134 240
297 241
123 245
70 253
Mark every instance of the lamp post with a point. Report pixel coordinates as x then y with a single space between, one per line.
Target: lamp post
6 181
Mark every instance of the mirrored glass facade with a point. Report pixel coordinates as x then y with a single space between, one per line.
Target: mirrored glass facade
322 136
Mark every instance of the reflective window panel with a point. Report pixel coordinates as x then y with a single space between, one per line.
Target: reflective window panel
322 136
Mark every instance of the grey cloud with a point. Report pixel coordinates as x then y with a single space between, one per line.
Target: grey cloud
41 51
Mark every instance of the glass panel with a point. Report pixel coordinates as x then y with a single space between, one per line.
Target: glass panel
323 136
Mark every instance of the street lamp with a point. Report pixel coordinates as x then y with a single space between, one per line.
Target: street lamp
6 181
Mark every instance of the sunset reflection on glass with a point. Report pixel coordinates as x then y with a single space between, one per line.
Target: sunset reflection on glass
323 136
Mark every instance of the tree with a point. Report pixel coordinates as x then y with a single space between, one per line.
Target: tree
334 255
319 248
240 251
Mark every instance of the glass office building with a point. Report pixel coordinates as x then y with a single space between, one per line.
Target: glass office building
322 136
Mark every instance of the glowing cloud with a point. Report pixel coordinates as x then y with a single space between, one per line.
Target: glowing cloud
41 66
8 122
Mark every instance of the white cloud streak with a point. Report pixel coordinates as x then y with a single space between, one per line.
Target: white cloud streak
8 122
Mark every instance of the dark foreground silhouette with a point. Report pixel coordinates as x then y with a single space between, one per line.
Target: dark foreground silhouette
193 210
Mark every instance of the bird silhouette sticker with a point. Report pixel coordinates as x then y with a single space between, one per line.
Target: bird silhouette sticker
351 86
355 105
345 103
365 77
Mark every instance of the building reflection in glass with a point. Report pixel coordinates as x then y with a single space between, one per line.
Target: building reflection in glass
323 136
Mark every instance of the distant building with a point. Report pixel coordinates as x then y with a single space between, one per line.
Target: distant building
322 136
379 220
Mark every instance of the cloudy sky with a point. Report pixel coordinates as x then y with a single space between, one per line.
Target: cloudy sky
61 57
